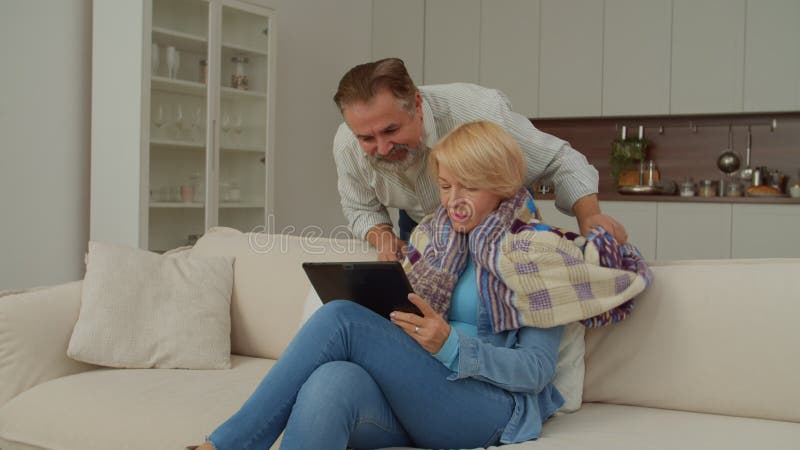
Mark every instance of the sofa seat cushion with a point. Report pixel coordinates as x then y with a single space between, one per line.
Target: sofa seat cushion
128 408
599 426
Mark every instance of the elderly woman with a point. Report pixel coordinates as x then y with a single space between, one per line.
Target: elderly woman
495 287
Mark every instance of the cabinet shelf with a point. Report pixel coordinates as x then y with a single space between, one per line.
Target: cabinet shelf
195 205
164 84
187 145
182 41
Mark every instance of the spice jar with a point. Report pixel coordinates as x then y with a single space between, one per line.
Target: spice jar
707 188
239 78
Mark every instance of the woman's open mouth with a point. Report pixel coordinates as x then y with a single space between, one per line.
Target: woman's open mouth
459 214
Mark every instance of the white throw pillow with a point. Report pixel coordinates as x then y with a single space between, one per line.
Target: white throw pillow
142 310
571 368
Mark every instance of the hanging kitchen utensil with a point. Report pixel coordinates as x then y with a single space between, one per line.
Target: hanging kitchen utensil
747 172
729 162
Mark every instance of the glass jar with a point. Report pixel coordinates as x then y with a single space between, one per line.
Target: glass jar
707 188
687 188
239 77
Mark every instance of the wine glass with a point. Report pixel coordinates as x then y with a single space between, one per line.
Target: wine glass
197 123
173 62
159 118
179 124
226 123
237 128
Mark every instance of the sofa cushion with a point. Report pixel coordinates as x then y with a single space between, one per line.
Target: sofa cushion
35 327
129 408
140 309
269 284
616 427
716 337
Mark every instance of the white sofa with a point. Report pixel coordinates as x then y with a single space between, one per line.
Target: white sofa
709 360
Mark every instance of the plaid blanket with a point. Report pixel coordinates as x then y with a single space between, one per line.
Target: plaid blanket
529 273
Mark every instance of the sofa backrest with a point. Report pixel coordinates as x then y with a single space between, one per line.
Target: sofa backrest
707 336
270 287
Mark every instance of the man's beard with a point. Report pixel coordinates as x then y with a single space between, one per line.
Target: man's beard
413 155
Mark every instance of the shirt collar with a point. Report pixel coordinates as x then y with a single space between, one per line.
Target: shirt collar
429 124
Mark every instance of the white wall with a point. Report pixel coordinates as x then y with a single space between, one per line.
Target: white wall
318 40
45 90
45 126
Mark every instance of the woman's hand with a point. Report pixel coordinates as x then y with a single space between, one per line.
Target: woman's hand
430 331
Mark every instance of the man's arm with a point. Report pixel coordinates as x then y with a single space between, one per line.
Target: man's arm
389 246
587 211
575 179
366 216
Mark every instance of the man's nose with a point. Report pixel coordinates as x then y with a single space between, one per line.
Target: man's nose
384 146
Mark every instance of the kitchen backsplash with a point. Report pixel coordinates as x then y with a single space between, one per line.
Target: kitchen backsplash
687 146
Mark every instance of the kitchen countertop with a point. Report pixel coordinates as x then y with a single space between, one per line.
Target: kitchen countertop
616 197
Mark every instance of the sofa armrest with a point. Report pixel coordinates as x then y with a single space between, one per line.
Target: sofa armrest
35 328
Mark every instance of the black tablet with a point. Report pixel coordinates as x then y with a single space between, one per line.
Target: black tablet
381 286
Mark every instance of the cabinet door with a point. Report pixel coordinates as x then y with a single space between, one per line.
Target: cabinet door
766 231
571 58
178 123
552 216
639 220
772 56
452 40
245 47
509 57
707 56
693 231
636 57
398 31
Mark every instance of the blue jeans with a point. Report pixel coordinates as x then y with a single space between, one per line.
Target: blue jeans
406 224
352 378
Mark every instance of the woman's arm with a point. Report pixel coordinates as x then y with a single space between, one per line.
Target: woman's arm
528 367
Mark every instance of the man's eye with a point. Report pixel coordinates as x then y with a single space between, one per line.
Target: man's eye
367 139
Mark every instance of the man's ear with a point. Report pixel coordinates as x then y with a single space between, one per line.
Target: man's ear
418 103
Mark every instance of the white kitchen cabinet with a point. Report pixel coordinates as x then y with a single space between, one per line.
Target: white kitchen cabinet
180 144
639 219
398 31
452 41
552 216
636 57
707 56
509 53
571 58
765 231
693 231
772 56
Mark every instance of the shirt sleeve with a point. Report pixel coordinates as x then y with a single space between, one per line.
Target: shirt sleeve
529 367
360 204
548 157
448 354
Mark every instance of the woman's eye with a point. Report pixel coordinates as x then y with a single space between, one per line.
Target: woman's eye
444 187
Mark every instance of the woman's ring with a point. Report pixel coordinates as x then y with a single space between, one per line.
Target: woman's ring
416 330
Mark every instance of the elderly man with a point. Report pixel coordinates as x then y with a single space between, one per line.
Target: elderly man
381 151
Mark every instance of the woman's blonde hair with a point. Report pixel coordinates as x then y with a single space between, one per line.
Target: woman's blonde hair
481 155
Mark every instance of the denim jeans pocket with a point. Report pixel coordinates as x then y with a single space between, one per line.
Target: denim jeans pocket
495 439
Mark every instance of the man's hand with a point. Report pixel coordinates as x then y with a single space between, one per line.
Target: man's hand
613 227
389 246
430 331
587 211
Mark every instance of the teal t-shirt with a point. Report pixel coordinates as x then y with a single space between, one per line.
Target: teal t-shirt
463 315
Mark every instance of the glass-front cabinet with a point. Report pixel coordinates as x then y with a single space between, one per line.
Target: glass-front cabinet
206 115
